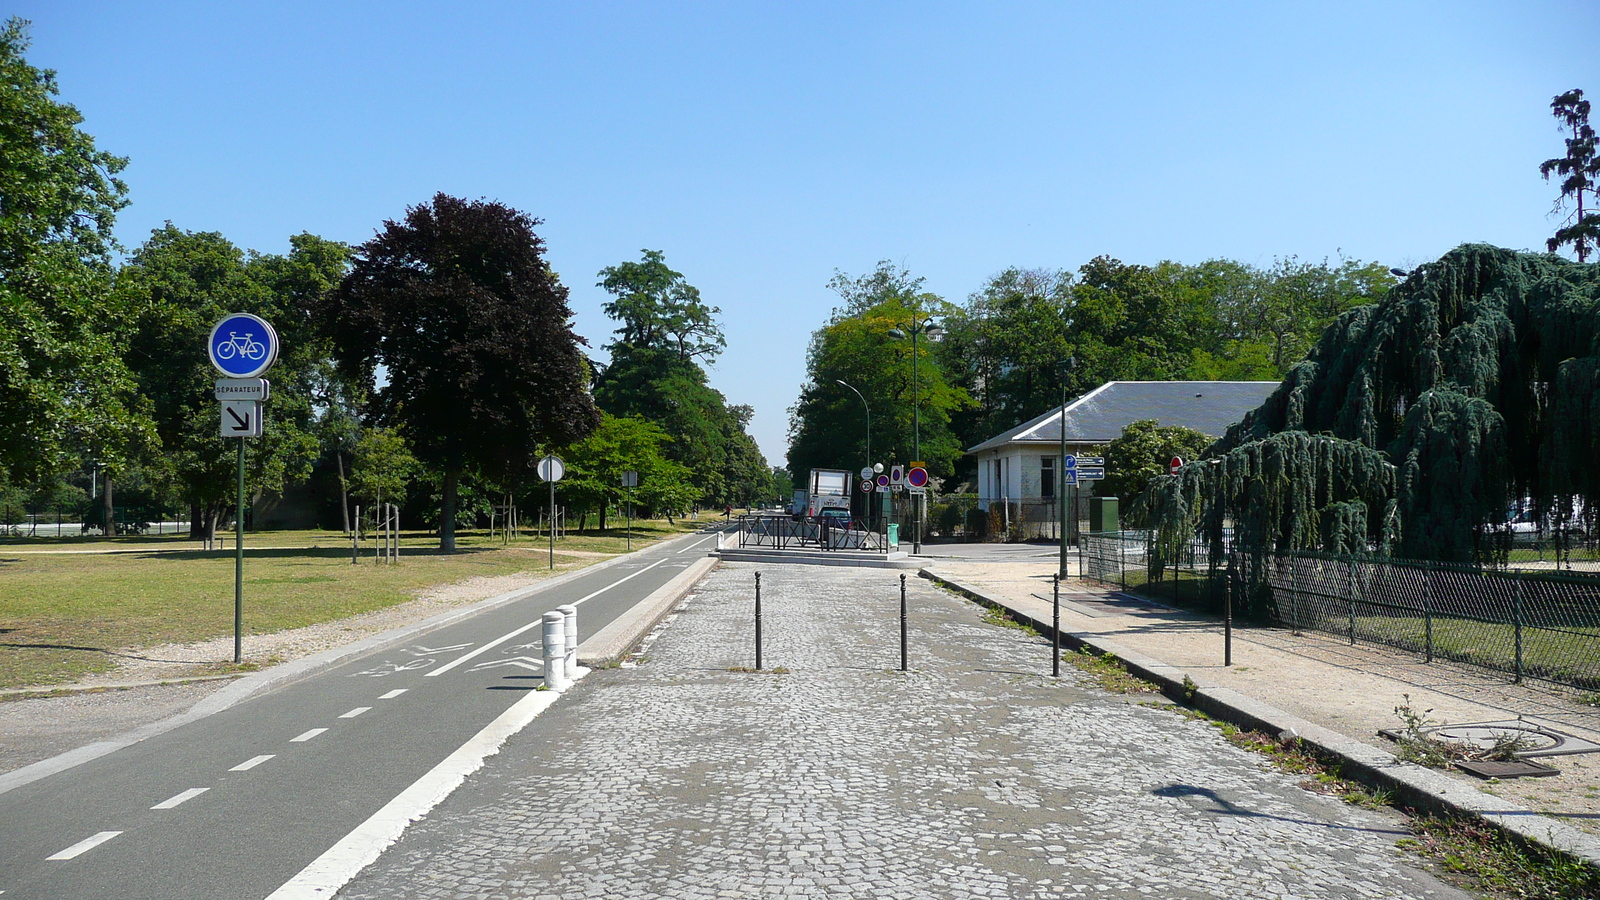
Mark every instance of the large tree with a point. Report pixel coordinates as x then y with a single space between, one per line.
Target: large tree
63 388
460 308
1580 176
660 309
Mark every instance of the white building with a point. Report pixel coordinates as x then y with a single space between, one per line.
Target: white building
1019 468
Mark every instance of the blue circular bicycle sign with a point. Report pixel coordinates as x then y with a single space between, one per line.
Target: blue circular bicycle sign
243 346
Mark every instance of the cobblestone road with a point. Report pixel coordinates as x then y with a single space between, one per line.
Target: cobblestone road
974 775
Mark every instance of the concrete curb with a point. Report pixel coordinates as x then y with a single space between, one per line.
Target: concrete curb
1415 786
290 672
610 644
65 690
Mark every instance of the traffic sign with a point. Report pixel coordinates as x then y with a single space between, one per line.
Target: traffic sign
867 485
917 478
1176 464
242 345
1091 460
1092 473
241 418
630 479
866 473
243 389
1069 476
1069 462
551 468
918 464
897 475
883 482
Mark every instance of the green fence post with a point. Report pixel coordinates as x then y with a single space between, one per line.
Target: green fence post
1294 595
1427 611
1352 601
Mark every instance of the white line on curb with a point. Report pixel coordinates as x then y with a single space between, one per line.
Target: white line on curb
251 763
532 625
84 845
176 799
361 847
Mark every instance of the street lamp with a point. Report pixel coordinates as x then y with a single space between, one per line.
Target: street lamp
869 435
919 326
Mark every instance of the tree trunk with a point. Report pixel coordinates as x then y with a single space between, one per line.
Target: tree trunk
447 513
344 493
110 511
603 506
197 524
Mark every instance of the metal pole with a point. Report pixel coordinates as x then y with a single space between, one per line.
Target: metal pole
902 623
916 436
1427 611
758 621
1061 485
552 523
238 566
1516 619
1055 627
1227 614
355 539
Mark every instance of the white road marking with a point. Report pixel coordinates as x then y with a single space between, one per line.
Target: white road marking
358 849
691 547
355 712
85 845
307 736
419 650
394 693
176 799
532 625
251 763
522 662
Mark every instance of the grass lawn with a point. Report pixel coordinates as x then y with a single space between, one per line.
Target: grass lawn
65 615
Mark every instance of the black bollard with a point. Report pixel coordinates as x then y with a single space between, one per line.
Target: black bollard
1227 617
902 623
758 621
1055 627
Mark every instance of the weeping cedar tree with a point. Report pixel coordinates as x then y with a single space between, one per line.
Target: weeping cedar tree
1416 421
460 307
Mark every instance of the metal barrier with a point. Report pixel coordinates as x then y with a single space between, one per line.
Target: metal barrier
782 532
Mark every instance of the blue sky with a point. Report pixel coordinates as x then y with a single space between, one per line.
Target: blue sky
761 147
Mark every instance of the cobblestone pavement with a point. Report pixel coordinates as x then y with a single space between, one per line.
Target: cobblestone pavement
973 775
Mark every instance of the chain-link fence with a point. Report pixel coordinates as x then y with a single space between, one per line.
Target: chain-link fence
1529 623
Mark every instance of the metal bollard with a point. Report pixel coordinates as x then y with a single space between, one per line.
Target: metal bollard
758 621
555 651
902 623
1055 626
570 614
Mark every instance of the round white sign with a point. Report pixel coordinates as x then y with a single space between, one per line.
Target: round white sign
551 468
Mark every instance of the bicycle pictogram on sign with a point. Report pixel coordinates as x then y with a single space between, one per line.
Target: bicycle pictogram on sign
242 346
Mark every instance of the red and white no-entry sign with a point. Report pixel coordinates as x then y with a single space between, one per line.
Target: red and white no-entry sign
1176 464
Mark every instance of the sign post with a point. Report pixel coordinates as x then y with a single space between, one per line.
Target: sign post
630 479
242 347
551 469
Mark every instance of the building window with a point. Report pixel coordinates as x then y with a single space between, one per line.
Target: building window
1047 476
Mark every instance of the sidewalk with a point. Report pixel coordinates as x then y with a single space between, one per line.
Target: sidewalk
832 774
1322 679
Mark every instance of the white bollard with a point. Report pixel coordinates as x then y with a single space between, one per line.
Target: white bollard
555 651
571 614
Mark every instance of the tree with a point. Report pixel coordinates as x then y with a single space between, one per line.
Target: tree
171 292
1143 452
827 427
382 467
63 388
1580 175
596 464
458 304
659 309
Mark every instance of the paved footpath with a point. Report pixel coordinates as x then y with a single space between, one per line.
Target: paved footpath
973 775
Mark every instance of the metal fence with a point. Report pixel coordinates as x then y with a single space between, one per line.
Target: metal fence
783 532
1529 623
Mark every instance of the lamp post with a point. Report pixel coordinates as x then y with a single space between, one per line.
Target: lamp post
868 408
919 326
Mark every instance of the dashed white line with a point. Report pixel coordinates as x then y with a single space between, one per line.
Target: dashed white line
300 739
355 712
85 845
252 763
535 624
394 693
176 799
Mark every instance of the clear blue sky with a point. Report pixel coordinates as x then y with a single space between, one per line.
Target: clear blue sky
763 146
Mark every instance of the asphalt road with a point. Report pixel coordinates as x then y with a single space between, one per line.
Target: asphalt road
236 804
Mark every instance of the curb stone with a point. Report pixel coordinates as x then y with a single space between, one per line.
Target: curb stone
1419 787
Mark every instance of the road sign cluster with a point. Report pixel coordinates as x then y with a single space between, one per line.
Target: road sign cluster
912 478
1082 468
242 347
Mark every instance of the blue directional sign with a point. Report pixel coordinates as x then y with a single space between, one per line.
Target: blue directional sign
242 346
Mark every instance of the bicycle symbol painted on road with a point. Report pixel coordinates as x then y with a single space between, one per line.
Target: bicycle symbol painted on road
243 347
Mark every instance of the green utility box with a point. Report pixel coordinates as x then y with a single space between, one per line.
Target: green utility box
894 534
1103 514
